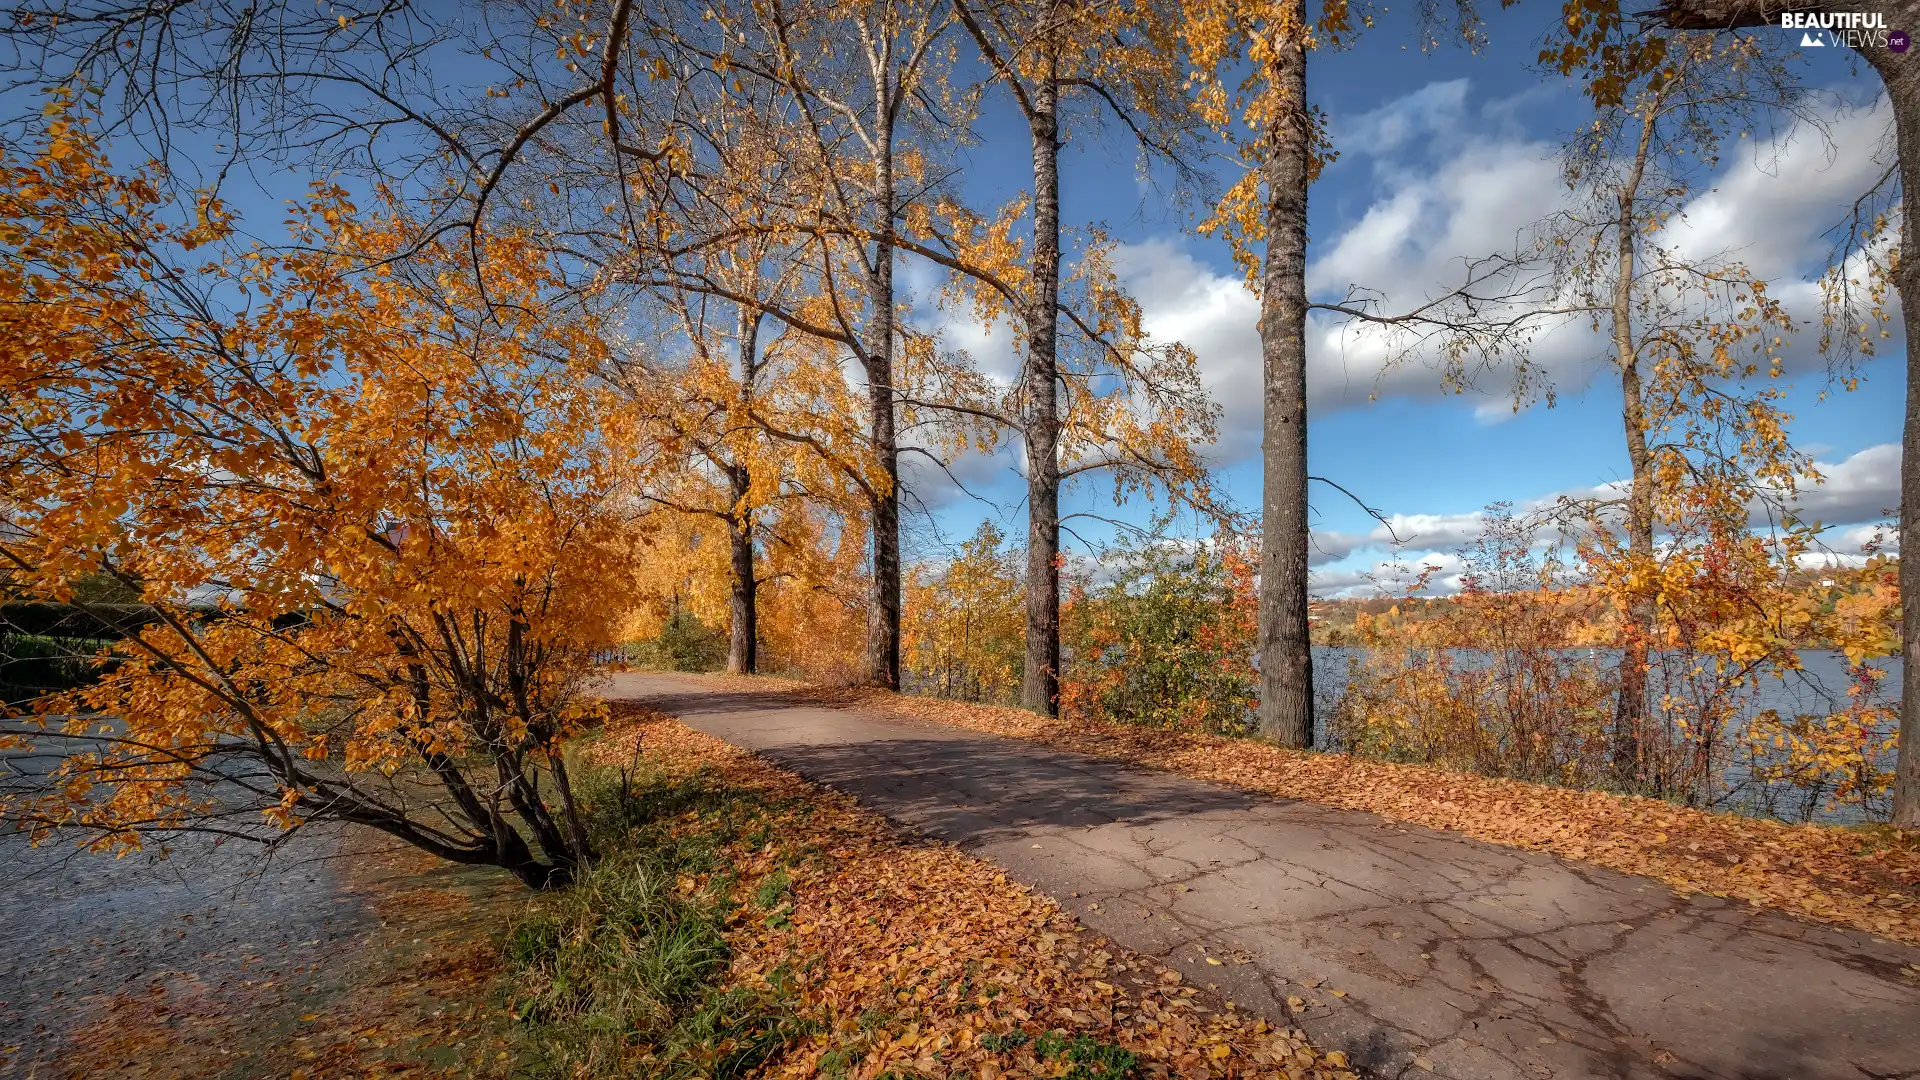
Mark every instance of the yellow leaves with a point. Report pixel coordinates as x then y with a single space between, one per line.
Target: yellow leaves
1239 217
350 457
995 248
964 625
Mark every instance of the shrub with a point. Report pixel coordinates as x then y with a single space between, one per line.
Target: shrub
684 644
1167 640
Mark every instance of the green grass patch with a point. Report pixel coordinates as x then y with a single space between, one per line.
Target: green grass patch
1089 1058
621 974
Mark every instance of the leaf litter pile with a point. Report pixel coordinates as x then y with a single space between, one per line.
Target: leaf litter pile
886 956
908 958
1863 879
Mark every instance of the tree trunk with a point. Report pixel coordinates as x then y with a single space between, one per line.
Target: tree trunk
743 639
742 644
1630 708
883 586
1040 420
1902 77
512 853
1286 657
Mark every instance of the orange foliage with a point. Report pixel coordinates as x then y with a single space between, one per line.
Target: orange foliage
376 529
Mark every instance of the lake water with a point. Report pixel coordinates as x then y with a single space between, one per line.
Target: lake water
1820 687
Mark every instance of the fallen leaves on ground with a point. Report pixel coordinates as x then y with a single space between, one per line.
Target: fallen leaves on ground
1866 880
914 959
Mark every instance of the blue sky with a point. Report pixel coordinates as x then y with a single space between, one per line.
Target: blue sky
1444 155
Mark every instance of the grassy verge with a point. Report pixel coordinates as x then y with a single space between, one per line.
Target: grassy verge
1863 878
740 923
624 974
745 923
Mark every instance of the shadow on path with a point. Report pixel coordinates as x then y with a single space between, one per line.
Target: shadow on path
1453 957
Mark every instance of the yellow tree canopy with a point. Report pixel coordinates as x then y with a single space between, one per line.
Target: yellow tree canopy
378 533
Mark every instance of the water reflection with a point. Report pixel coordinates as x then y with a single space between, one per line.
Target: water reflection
1819 688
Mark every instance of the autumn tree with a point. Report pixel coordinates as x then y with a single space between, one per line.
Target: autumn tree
1024 49
1693 338
1284 151
1609 47
744 439
1248 75
1122 406
1690 334
852 82
846 82
964 621
667 192
1056 59
738 432
1700 591
747 422
375 532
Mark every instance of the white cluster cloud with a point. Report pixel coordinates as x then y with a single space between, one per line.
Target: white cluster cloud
1442 198
1445 181
1864 487
1852 502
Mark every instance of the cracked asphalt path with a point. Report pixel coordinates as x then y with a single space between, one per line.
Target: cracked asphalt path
1455 958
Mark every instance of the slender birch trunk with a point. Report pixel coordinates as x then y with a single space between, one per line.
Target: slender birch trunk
1630 708
1040 686
883 585
743 639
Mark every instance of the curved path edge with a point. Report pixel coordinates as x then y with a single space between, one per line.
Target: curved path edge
1419 952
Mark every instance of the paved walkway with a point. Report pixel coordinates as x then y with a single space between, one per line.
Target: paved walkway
1455 956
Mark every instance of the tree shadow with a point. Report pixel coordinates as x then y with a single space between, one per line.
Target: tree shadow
958 785
1548 952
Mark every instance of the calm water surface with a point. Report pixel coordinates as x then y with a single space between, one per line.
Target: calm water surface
1819 687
